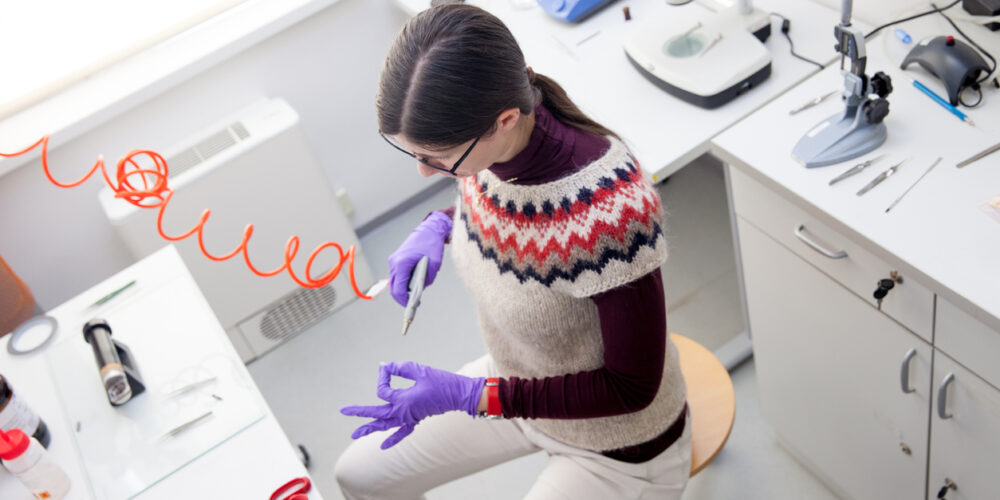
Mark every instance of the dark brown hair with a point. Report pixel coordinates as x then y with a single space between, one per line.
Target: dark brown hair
450 73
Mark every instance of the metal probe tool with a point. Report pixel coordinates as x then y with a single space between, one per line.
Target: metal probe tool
416 286
980 155
914 184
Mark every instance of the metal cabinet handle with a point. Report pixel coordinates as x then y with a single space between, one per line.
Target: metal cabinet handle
904 373
943 397
801 235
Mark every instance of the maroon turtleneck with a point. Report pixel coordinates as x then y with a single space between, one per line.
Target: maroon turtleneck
633 316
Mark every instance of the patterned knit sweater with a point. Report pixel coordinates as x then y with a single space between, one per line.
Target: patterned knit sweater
531 255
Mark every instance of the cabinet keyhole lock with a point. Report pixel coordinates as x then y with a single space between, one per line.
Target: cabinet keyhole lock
894 275
905 449
884 285
948 485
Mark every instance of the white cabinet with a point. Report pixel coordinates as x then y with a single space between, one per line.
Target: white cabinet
965 433
830 370
848 385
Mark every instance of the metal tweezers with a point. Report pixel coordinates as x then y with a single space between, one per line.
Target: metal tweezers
855 169
812 102
881 177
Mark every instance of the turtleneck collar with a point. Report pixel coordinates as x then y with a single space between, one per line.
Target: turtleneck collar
554 150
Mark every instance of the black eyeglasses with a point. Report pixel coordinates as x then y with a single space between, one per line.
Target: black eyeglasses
427 163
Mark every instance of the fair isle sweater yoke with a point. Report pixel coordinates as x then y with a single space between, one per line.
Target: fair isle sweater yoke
532 255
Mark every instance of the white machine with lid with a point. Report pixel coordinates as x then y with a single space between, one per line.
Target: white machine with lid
703 57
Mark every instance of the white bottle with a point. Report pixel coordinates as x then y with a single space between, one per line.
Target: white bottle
25 457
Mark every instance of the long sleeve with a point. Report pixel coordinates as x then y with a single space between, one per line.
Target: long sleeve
633 329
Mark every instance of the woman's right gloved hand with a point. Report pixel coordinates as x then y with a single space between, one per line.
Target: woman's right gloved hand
427 239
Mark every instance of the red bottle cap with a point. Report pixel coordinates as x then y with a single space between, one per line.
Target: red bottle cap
13 444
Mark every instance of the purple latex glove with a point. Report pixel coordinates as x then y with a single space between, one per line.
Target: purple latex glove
434 392
426 239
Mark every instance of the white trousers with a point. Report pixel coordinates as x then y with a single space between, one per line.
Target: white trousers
453 445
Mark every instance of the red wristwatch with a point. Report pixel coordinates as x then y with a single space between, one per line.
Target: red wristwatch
493 409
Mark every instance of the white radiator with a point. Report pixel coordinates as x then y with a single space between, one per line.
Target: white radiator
252 167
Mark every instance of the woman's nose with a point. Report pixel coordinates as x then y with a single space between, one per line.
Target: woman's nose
426 171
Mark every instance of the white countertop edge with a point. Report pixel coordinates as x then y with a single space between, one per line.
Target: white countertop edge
989 318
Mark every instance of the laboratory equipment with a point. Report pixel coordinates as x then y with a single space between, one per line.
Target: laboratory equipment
114 293
880 177
300 494
944 104
16 414
416 288
980 155
860 128
27 460
252 166
810 103
902 36
855 169
984 8
914 184
702 57
187 425
955 63
572 10
115 362
32 335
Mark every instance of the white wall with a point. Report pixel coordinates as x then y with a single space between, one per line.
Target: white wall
877 12
326 67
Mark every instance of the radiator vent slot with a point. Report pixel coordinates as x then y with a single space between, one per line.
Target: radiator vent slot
207 148
215 144
300 310
239 130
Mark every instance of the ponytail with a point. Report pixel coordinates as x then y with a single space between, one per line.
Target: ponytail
565 110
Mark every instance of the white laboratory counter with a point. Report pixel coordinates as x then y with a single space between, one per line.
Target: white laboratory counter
168 326
890 398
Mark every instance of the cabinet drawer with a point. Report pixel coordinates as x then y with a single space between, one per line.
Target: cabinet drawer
968 340
854 267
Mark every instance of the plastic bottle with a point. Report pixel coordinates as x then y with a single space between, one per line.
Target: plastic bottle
27 460
16 414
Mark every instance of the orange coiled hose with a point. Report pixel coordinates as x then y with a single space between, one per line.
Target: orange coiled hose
128 175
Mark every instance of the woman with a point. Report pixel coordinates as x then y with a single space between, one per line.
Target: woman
556 234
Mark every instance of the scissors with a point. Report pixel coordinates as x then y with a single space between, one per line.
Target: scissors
855 169
881 177
299 494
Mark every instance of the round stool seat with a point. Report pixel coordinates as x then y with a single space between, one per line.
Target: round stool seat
710 397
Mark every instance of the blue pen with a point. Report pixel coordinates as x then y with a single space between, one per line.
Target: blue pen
947 105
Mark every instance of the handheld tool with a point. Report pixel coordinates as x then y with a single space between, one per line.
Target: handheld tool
914 184
855 169
417 280
980 155
812 102
881 177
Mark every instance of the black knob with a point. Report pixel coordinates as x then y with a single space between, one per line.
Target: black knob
881 84
884 285
876 110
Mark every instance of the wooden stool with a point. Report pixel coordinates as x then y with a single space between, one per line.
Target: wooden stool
710 397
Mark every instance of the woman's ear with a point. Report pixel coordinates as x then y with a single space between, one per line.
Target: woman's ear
508 119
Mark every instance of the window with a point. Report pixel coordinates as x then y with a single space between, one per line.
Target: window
47 46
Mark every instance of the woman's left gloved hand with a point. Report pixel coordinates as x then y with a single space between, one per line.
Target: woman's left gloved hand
433 392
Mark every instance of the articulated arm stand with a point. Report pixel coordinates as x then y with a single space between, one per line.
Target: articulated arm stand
859 129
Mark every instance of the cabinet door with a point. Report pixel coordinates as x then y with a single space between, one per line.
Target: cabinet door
829 371
964 446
